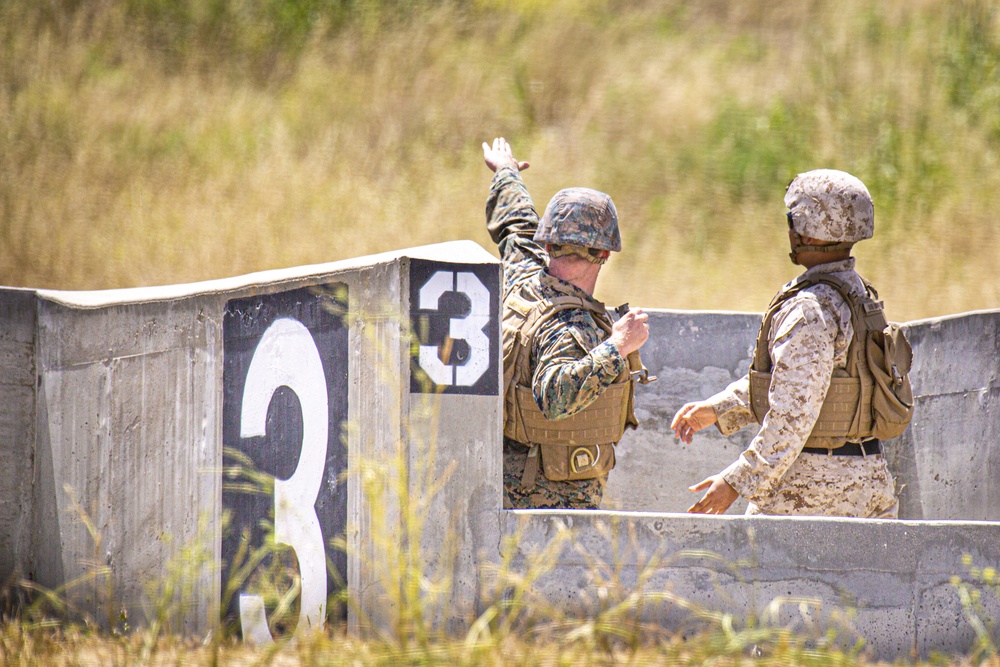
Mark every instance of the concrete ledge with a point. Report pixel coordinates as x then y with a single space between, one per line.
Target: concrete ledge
894 576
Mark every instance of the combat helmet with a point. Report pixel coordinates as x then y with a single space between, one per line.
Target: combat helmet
829 205
581 218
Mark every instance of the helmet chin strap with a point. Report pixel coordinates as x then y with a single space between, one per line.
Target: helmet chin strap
799 247
558 250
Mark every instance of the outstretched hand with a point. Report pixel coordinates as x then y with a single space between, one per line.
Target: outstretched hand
717 499
500 155
692 418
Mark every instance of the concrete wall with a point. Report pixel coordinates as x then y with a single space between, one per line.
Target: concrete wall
892 577
116 407
894 574
17 427
126 407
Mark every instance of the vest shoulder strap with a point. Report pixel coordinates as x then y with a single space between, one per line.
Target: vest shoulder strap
522 319
866 315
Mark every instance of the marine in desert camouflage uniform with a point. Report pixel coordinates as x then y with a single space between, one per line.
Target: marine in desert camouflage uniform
571 361
828 212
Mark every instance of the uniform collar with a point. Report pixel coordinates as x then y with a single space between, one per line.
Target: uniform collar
839 266
830 267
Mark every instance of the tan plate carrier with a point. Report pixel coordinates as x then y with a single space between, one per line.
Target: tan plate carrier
869 398
581 445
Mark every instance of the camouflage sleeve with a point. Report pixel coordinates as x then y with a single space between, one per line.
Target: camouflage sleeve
732 407
802 350
574 367
511 220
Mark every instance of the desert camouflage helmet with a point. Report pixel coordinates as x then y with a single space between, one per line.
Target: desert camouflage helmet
830 205
580 217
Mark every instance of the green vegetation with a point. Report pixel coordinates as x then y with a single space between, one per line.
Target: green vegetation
152 141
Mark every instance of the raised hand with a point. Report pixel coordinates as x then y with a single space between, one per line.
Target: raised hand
500 155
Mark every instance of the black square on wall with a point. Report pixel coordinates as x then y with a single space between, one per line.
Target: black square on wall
455 319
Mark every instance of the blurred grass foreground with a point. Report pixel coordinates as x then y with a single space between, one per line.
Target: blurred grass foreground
162 141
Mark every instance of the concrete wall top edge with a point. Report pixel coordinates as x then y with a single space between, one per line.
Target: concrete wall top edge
451 251
693 313
591 515
911 323
954 316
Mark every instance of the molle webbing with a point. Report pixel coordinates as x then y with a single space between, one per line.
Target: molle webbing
846 412
602 422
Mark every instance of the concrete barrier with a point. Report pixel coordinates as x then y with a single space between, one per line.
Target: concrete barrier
886 582
124 408
367 393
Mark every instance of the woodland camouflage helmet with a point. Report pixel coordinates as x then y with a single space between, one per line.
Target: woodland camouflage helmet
580 217
830 205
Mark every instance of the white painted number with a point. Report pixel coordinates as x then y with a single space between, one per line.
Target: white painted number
287 357
468 328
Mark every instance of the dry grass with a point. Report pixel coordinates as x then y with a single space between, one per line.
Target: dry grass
147 145
146 142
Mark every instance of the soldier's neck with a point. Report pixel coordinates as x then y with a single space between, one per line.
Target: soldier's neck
582 274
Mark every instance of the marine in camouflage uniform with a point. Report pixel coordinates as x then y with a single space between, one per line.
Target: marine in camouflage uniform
808 339
572 362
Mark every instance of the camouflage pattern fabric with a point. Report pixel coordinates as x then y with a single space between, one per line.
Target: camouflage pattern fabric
571 363
581 217
809 337
583 494
830 205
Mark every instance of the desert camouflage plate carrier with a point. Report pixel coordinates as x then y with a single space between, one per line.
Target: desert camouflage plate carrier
871 397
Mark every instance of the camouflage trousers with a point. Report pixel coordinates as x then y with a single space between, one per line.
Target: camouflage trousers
824 485
545 494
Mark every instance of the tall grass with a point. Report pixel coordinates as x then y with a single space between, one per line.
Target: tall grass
148 142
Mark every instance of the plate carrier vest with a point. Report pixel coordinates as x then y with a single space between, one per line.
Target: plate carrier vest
871 397
580 446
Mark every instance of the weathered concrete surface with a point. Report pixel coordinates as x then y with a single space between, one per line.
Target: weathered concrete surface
420 469
17 429
127 425
893 575
943 463
950 455
111 429
693 355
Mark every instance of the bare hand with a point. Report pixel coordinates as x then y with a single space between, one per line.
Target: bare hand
692 418
630 332
500 155
717 500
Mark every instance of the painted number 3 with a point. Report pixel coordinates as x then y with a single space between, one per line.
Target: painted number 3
287 357
468 328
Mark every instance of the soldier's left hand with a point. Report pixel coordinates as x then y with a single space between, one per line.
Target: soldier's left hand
717 499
